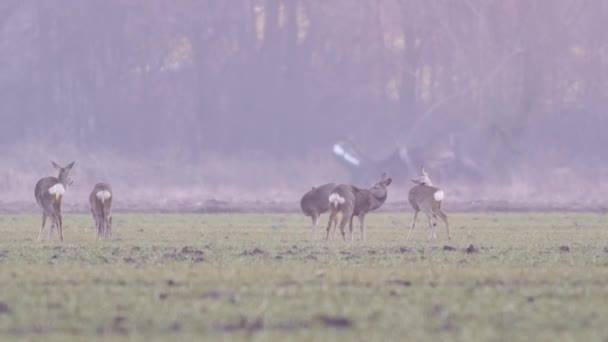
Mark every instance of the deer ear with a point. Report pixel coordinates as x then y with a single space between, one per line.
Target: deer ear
388 182
69 167
416 181
55 165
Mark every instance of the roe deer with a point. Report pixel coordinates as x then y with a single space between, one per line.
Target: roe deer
426 198
100 200
316 202
352 201
49 193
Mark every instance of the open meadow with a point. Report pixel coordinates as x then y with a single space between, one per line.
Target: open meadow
526 276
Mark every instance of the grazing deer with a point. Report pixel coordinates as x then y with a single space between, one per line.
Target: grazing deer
49 193
352 201
426 198
316 202
100 200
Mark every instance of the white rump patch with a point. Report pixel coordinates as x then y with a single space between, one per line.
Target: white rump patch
335 199
103 195
438 195
58 190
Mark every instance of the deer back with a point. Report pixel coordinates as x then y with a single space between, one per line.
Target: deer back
422 197
316 201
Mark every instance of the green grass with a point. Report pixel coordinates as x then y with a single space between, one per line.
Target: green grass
260 277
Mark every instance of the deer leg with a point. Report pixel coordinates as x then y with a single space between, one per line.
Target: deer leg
343 222
313 229
413 224
102 226
444 218
98 227
333 236
362 226
331 219
109 225
42 227
60 222
432 229
105 228
350 227
53 224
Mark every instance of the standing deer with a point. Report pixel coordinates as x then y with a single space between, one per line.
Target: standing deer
352 201
49 193
426 198
100 200
316 202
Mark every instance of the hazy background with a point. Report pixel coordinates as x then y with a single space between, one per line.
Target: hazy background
196 104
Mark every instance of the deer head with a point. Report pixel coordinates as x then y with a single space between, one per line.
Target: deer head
64 173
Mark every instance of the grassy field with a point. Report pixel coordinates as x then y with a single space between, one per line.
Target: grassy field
240 276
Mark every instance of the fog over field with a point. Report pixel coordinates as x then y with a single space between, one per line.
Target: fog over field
211 105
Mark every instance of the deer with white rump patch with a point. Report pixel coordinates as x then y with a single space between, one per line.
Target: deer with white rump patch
316 202
352 201
426 198
49 193
100 200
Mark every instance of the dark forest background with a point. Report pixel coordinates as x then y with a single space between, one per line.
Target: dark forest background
192 100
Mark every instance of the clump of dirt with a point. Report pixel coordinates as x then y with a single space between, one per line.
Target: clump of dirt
194 254
404 250
290 326
449 248
490 283
172 254
4 308
471 249
564 248
217 294
404 283
172 283
255 251
338 322
192 250
175 327
243 324
118 325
